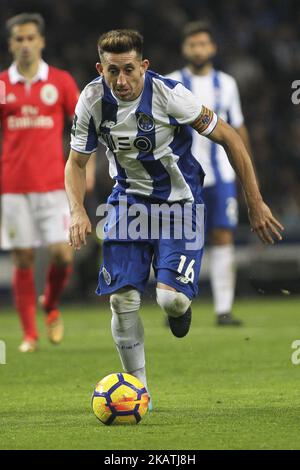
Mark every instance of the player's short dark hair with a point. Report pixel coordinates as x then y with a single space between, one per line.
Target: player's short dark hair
121 40
25 18
196 27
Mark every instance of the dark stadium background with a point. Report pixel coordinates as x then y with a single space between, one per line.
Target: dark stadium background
259 44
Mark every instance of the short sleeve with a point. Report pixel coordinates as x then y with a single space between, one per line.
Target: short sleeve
182 105
71 94
235 114
84 138
186 108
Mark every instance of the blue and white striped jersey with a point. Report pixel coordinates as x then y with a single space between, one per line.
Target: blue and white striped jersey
218 91
148 140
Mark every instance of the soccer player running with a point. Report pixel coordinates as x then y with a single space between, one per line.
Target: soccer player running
143 120
219 91
34 206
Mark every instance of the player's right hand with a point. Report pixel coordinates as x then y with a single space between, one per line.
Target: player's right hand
80 227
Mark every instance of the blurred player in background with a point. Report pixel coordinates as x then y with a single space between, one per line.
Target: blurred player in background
34 206
216 90
142 118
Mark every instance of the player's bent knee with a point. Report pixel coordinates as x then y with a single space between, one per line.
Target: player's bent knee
124 302
172 302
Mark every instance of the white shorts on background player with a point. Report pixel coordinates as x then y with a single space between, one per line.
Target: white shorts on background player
34 219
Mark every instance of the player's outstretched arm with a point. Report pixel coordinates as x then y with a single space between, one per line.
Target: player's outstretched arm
75 183
261 218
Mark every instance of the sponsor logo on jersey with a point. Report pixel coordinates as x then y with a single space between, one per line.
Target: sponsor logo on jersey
28 122
49 94
123 143
145 123
106 276
143 144
28 110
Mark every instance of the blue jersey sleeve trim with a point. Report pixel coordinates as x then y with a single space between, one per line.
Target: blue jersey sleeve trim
92 139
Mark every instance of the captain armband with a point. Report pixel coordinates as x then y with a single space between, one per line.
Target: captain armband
205 122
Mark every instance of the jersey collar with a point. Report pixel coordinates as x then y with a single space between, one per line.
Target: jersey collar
15 76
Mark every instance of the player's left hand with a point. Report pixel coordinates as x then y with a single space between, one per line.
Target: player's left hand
262 221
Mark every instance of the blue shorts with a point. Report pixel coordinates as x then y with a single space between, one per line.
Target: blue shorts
221 205
127 262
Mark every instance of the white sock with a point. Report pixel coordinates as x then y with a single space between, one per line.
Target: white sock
222 277
141 375
128 334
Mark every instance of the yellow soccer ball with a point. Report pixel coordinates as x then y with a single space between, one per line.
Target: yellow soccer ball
120 399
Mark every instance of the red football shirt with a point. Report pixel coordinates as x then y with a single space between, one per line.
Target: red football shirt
32 122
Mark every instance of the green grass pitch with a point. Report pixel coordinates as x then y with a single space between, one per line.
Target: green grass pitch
215 389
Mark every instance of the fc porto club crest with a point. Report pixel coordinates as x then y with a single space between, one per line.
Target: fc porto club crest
106 276
145 123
